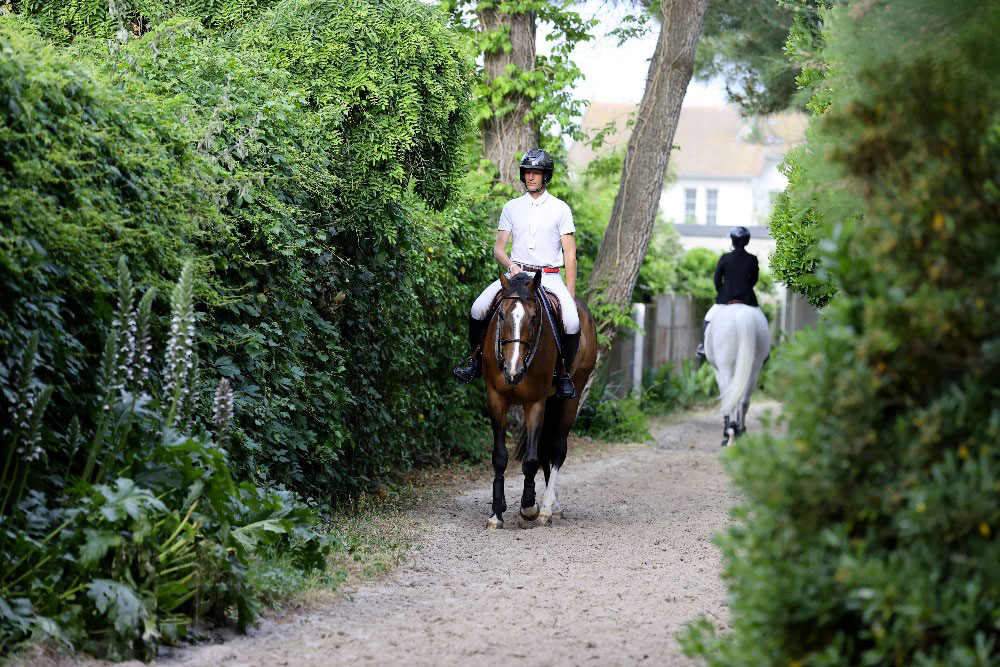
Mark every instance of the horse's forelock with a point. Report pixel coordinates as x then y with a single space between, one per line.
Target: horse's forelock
520 285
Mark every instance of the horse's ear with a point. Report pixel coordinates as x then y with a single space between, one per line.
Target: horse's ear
536 281
504 281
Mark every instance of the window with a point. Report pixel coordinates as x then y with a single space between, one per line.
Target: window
689 199
711 206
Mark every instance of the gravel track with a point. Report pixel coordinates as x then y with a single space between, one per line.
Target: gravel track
610 583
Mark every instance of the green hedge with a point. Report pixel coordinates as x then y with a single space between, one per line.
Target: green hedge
307 164
868 533
88 174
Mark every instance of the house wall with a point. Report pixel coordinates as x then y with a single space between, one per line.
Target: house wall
765 188
735 202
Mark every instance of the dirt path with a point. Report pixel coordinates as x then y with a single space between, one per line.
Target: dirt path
611 583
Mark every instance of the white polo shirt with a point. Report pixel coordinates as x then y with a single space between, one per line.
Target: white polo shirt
537 226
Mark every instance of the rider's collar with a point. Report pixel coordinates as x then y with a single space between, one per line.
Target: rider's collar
539 200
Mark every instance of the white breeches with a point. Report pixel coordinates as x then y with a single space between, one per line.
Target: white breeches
552 282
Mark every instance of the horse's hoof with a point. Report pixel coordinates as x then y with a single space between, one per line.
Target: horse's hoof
529 513
545 518
494 523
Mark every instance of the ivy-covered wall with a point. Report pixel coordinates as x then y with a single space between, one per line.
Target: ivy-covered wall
310 160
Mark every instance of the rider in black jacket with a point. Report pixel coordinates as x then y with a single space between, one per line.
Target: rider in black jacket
735 276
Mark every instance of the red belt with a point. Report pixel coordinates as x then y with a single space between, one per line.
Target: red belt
536 269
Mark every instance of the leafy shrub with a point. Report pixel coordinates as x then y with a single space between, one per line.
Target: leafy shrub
331 281
796 225
158 535
868 533
663 390
607 417
88 174
799 216
65 20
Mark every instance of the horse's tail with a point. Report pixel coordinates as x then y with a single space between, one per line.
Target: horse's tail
746 348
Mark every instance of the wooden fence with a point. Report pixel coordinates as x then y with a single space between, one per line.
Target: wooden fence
669 333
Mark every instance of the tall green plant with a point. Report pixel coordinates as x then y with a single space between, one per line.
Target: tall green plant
164 536
868 532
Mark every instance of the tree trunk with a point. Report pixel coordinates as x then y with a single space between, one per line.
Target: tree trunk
507 134
616 268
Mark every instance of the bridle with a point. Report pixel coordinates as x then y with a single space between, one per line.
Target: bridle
532 342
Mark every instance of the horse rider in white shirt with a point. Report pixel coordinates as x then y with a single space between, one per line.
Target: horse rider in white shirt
542 229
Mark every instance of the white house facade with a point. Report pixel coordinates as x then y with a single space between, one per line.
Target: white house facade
723 171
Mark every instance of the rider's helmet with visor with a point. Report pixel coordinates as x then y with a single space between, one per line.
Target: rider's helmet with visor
537 159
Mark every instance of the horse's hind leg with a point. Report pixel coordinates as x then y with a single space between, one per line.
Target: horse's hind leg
498 416
550 500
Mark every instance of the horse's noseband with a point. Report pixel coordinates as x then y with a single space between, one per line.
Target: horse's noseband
533 341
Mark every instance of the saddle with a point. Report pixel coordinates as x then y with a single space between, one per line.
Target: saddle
554 305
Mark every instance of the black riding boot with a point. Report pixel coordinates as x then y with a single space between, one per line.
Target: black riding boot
700 352
564 385
474 366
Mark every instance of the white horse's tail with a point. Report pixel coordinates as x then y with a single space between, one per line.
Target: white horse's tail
746 348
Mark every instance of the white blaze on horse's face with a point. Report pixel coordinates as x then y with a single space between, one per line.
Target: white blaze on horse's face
518 319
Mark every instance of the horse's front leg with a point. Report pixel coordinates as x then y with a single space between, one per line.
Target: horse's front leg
529 508
498 416
534 417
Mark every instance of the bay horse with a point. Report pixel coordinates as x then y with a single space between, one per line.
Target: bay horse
519 361
737 343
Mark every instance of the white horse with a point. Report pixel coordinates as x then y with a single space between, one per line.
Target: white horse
737 343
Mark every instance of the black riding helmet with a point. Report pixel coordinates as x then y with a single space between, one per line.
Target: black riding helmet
536 158
740 236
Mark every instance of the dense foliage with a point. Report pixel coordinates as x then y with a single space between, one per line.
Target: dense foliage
118 552
330 278
868 533
747 43
309 174
797 219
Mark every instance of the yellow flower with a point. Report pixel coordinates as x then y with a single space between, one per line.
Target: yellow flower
938 222
984 529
